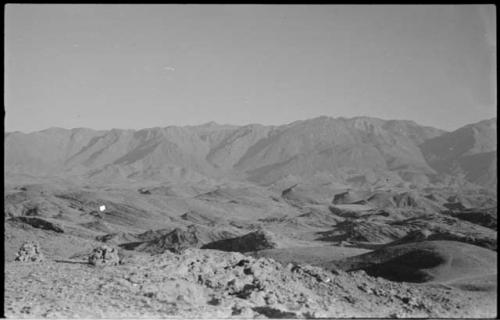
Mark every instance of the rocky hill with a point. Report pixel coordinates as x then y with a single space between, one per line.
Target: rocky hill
208 284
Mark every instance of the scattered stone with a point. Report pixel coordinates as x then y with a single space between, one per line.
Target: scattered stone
242 312
144 191
30 252
214 301
270 299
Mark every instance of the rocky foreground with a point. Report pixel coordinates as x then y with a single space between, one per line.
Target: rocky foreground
213 284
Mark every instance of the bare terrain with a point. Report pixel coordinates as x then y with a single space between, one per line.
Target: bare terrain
325 217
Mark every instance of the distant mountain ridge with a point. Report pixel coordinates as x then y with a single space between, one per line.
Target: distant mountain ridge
349 150
469 151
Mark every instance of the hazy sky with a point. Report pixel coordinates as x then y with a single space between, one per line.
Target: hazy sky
139 66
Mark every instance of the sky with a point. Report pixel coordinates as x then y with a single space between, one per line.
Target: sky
142 66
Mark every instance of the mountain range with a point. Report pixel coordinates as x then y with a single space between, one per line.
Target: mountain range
356 151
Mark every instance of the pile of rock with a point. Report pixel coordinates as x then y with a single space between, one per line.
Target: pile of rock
104 256
30 252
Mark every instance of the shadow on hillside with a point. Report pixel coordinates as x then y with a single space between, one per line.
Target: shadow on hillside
71 261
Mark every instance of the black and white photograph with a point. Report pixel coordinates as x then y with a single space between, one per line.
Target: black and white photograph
250 161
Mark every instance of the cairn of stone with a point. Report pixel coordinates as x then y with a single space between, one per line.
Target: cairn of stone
30 252
104 256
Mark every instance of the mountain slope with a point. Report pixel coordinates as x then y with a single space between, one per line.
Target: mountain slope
469 151
342 147
358 150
